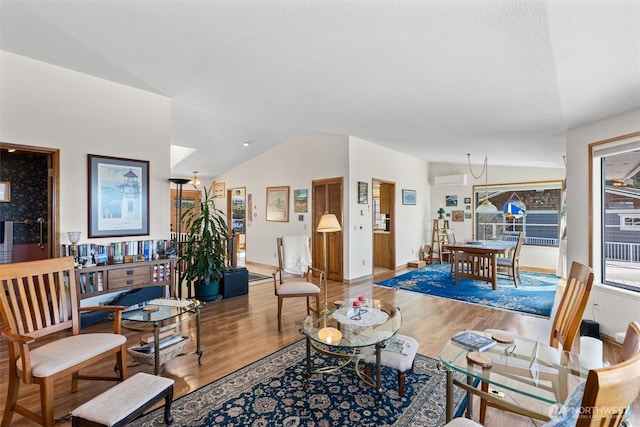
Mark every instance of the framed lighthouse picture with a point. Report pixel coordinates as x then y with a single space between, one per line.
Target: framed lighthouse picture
118 197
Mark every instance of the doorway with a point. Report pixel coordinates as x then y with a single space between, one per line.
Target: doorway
29 209
327 197
384 241
237 214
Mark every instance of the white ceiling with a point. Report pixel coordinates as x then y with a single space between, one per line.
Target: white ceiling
435 78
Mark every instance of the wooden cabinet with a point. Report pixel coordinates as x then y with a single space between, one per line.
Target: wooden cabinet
99 280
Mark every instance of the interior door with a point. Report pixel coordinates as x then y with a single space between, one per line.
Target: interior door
237 214
29 207
327 197
384 247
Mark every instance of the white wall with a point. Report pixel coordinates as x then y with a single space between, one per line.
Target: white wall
618 307
366 162
301 160
294 163
531 256
48 106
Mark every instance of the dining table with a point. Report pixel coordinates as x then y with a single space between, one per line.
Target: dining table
477 259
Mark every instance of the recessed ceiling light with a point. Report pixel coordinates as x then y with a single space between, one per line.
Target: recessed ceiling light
246 143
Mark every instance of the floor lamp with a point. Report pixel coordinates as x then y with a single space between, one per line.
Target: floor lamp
179 183
328 224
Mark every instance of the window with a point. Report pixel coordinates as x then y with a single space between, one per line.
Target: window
532 207
616 172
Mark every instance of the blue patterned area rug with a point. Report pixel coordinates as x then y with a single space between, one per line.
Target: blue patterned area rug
533 296
275 392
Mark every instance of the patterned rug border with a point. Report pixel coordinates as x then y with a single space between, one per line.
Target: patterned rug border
427 407
533 297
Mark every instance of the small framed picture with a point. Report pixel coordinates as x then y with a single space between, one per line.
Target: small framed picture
363 193
467 215
5 191
457 216
408 197
452 200
468 207
467 200
278 204
300 200
218 189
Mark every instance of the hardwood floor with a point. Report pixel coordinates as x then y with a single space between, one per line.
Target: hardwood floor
243 329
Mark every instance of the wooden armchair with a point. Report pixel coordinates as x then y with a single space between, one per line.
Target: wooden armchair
288 285
39 303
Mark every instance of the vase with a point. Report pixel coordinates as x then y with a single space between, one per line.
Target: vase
207 291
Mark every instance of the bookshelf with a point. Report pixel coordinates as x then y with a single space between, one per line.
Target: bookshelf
104 279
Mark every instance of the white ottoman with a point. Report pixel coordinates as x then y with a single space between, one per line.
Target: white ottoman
400 361
125 402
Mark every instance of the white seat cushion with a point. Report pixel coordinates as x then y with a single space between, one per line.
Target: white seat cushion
64 353
462 422
293 288
122 399
399 361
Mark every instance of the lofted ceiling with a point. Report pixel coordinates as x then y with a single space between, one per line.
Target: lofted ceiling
434 78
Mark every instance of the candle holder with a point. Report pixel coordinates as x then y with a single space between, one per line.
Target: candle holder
74 238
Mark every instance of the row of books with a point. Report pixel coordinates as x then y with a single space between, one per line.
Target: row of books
149 348
115 252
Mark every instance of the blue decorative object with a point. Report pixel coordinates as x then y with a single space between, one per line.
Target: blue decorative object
533 296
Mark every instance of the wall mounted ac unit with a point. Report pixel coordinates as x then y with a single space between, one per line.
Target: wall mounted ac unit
449 180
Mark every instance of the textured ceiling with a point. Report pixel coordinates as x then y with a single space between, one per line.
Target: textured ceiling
434 79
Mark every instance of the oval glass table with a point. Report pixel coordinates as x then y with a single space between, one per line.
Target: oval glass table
349 335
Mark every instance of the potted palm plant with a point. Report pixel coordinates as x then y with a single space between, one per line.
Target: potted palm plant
204 251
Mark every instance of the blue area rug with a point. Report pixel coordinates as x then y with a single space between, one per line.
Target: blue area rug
275 392
533 296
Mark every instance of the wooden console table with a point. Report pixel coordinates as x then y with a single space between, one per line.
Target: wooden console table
104 279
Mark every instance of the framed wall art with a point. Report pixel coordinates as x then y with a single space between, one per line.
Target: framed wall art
363 193
408 197
278 204
5 191
452 200
118 196
218 189
300 200
457 216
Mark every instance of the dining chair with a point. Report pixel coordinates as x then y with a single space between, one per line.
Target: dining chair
41 319
512 264
608 393
568 316
289 284
451 239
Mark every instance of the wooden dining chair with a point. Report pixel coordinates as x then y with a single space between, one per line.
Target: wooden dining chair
511 264
609 392
566 321
289 285
41 326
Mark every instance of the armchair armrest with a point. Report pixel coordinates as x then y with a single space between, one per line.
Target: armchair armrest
17 338
117 313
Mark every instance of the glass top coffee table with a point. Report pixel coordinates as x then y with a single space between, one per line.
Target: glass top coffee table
523 366
349 335
162 314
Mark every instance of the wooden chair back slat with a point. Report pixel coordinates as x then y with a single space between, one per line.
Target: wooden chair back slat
572 305
35 301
